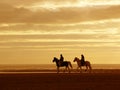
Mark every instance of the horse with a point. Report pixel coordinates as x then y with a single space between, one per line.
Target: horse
63 64
87 64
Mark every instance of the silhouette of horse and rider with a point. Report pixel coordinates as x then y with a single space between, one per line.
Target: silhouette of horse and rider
61 63
82 62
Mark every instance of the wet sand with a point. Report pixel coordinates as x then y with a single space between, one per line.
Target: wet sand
62 81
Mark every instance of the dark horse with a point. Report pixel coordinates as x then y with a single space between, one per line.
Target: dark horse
87 64
63 64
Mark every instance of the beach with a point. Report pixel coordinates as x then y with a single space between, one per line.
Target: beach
97 80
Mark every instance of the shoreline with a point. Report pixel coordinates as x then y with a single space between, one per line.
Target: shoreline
61 71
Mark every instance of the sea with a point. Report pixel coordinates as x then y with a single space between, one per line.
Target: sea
48 67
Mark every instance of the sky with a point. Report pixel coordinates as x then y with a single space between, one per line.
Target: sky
35 31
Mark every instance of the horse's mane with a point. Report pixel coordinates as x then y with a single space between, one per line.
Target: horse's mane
56 58
77 58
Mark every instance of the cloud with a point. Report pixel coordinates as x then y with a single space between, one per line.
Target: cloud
68 24
12 14
57 44
60 2
25 2
108 26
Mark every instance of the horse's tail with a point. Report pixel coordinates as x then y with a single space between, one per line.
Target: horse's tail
70 64
90 66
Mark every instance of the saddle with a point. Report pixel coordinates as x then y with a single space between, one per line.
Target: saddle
82 63
60 63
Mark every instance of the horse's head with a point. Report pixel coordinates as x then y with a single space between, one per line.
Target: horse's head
75 59
55 59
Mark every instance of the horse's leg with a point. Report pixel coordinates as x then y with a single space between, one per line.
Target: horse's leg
68 69
80 69
90 68
57 69
65 69
69 64
86 68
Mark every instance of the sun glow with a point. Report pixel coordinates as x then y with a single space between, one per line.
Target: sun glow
79 3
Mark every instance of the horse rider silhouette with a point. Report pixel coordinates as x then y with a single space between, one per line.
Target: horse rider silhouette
82 60
61 59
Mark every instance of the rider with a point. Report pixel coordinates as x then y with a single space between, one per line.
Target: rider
61 59
82 59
